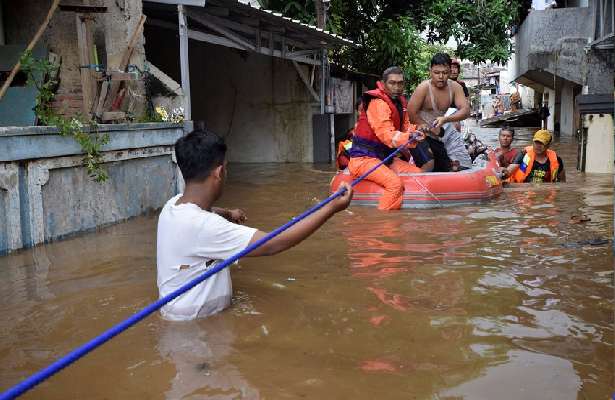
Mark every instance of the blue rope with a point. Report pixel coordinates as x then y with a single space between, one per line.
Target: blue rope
81 351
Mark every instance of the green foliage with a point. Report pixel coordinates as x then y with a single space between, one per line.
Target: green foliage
393 42
303 10
481 28
41 73
387 31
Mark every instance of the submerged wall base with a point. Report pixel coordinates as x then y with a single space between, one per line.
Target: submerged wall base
43 198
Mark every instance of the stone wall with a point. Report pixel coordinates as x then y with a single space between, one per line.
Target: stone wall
112 31
46 194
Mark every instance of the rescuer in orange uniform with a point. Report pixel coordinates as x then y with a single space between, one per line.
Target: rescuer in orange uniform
382 127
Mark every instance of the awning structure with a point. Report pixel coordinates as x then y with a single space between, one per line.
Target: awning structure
245 27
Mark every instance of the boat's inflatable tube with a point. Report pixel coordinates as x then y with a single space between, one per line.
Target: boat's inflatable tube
434 189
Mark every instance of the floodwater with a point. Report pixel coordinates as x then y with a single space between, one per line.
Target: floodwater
504 300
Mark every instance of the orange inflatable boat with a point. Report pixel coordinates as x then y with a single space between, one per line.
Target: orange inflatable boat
434 189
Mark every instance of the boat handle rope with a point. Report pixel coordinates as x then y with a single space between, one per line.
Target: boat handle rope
84 349
427 190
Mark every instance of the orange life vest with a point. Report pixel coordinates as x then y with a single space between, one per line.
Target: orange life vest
525 168
365 142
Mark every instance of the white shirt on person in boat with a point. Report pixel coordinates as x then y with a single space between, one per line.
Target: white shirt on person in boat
190 241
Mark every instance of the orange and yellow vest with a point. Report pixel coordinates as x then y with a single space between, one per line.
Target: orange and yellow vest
525 168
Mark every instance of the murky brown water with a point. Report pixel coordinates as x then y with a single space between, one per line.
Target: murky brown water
497 301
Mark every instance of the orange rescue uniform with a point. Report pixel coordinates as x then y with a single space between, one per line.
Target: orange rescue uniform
380 116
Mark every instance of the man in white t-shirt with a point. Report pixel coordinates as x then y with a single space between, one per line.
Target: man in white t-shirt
193 236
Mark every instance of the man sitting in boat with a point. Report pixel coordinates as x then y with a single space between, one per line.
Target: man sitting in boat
383 125
505 153
427 108
537 163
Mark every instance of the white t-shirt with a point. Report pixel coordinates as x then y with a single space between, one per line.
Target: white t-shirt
190 241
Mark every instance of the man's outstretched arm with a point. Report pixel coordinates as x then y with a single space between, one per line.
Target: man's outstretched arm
302 229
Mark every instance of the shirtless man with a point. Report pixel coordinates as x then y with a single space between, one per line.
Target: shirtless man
427 108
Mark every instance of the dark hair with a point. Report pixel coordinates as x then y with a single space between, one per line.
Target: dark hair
198 153
508 129
389 71
440 59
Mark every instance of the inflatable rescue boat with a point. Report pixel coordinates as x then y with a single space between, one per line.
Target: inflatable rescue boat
478 184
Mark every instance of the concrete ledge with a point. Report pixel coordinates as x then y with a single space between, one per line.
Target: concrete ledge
550 42
26 143
46 193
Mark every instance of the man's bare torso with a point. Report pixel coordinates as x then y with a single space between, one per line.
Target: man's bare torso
435 100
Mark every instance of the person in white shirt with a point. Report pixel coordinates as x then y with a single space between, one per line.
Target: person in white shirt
194 236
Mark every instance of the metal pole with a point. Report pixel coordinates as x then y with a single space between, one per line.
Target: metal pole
184 61
323 62
1 27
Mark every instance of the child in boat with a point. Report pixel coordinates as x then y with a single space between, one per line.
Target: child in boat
194 236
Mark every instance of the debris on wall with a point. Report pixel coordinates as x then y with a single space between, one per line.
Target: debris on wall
101 49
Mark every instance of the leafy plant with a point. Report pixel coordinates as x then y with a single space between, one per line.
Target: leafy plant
403 32
482 29
41 73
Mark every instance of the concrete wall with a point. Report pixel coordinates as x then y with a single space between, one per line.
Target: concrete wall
600 72
566 117
258 103
600 143
552 111
111 32
527 97
550 42
46 194
553 42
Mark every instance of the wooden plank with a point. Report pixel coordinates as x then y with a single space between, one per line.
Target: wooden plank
84 41
115 86
253 27
305 81
208 22
184 61
196 3
113 115
116 76
82 8
222 41
165 80
31 45
104 89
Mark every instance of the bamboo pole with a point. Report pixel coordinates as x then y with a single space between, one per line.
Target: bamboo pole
33 42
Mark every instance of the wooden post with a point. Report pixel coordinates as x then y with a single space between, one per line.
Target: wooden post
323 62
332 136
184 60
85 43
115 86
31 45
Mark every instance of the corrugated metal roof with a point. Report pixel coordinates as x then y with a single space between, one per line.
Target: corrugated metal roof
252 7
